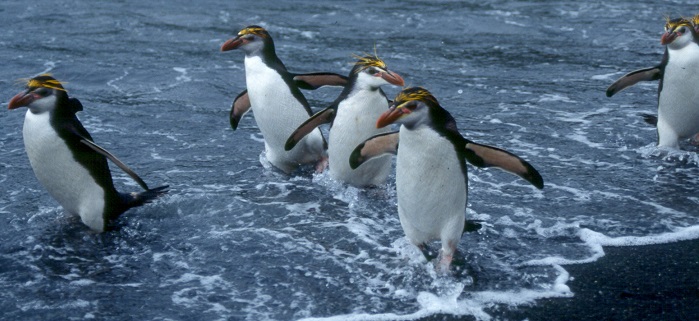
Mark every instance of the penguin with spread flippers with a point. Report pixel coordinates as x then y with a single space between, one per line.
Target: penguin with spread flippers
678 101
645 74
431 175
67 162
274 95
352 117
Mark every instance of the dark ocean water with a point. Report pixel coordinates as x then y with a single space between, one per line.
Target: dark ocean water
237 240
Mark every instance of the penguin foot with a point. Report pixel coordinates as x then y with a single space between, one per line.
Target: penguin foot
138 199
443 262
472 225
322 164
695 140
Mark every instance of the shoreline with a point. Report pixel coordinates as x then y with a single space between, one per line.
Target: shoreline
640 282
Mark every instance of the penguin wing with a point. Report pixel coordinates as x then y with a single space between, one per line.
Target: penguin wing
241 105
386 143
316 80
116 161
75 105
487 156
322 117
630 79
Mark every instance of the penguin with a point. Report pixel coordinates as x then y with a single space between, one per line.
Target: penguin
678 100
352 117
644 74
431 174
67 162
678 105
274 94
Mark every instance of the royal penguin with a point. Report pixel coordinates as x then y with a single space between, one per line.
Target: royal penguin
67 162
644 74
353 117
274 95
678 101
431 174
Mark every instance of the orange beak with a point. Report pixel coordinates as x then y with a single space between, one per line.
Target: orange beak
392 78
232 44
390 116
668 37
21 100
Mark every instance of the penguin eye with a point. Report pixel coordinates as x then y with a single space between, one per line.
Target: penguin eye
249 37
372 71
42 91
411 105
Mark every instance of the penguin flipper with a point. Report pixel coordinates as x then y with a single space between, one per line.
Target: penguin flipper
75 105
316 80
241 105
322 117
630 79
116 161
487 156
377 145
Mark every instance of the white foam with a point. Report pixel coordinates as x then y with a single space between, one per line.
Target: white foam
555 98
183 74
605 77
595 241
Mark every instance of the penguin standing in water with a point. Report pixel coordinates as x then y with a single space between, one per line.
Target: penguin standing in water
431 175
353 116
277 102
678 101
651 73
66 161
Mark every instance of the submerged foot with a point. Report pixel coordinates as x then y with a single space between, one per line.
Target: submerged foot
322 164
695 140
443 263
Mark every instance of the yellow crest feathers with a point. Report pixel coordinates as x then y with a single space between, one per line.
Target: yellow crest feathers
253 30
672 24
415 93
45 81
367 61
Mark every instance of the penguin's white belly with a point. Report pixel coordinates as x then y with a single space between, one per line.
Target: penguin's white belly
278 113
66 180
431 187
354 123
678 103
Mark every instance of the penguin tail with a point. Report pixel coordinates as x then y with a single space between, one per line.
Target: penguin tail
138 199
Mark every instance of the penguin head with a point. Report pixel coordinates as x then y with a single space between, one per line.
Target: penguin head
412 107
372 72
252 40
42 94
679 32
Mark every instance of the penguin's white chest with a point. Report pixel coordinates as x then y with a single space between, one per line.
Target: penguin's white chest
678 103
431 187
354 123
66 180
278 113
